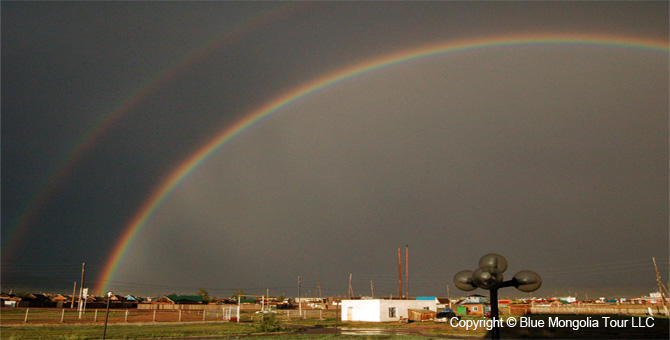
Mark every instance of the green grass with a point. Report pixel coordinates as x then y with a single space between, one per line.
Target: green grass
129 331
213 330
330 322
220 330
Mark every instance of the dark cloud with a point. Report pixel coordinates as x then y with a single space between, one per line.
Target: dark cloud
555 156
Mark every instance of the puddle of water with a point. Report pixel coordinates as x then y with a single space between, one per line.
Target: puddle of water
378 331
367 331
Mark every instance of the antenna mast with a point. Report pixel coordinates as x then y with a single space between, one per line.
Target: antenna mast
399 276
407 271
660 287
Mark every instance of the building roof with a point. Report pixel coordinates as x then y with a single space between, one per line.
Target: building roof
426 298
9 297
475 303
163 299
59 298
186 298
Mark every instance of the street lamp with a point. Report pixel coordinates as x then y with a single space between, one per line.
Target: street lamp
489 276
109 297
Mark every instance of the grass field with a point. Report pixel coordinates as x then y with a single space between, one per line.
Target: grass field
656 328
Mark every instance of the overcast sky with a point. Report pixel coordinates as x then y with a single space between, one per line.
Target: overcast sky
554 156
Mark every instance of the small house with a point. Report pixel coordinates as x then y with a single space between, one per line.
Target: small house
504 303
163 300
444 303
133 298
475 305
382 310
186 299
59 299
559 303
9 300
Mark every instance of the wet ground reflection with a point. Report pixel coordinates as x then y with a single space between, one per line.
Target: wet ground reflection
370 331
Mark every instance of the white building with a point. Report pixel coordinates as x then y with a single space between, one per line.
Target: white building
378 310
570 299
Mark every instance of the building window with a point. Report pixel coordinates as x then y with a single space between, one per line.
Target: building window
392 312
475 308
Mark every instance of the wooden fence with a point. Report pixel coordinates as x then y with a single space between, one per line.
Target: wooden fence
223 313
598 309
158 306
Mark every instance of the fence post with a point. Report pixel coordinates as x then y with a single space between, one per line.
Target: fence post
62 315
180 315
126 315
154 320
26 318
204 312
95 318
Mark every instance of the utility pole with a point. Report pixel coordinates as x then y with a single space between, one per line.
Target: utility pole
660 287
399 276
449 296
407 271
299 299
74 293
81 289
318 287
372 289
351 290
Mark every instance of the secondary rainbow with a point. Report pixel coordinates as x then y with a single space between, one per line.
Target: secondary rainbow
186 167
18 230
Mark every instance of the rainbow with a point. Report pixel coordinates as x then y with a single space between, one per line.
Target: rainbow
325 81
12 237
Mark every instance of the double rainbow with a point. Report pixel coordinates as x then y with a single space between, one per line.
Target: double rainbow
17 231
186 167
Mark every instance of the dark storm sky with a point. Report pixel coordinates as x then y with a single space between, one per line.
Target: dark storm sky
554 156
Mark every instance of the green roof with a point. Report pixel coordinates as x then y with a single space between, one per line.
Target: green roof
186 298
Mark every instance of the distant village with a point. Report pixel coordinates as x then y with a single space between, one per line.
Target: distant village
352 308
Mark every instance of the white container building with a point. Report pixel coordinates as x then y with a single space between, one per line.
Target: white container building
380 310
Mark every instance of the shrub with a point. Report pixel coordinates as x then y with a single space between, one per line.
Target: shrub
268 322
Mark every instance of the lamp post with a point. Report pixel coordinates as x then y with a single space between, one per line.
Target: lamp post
489 276
109 297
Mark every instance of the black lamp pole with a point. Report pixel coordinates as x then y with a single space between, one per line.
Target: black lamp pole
489 276
495 331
